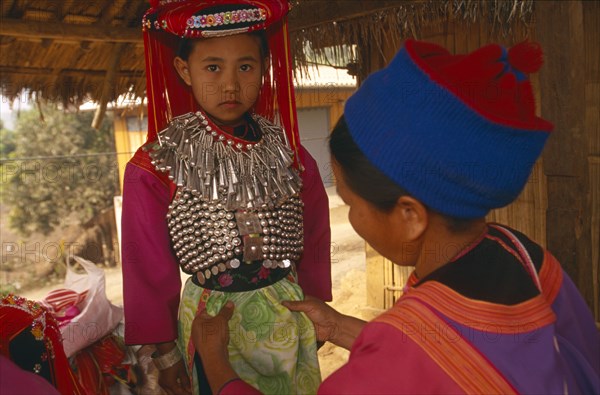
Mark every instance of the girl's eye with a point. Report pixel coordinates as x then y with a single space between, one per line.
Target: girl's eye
245 67
212 68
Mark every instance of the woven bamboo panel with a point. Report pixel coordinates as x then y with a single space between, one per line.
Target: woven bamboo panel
385 280
594 170
527 214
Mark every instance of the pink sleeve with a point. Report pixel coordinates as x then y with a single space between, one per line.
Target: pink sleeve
151 278
384 361
314 269
238 387
17 381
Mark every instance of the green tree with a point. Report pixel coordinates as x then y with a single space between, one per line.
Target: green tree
61 169
7 141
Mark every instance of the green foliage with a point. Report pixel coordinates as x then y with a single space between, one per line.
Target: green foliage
61 169
7 141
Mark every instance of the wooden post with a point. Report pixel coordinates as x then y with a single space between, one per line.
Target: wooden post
591 24
560 31
108 85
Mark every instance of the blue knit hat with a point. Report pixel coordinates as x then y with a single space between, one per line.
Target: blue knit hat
458 132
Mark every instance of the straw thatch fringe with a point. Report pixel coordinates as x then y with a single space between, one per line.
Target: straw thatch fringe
390 26
74 72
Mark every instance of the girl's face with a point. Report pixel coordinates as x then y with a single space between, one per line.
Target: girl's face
225 74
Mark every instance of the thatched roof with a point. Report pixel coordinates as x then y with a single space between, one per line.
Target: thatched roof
75 51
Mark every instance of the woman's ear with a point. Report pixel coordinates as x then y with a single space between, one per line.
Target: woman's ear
412 215
183 69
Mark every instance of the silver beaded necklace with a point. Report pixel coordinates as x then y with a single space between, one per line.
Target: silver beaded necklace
218 167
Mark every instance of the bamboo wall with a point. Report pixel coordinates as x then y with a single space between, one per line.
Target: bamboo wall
591 12
570 82
529 213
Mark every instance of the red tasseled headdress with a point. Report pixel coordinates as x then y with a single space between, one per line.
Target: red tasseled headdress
166 22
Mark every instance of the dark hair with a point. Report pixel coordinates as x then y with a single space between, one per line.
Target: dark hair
186 45
367 181
361 176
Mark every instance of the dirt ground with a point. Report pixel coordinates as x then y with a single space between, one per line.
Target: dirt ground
348 275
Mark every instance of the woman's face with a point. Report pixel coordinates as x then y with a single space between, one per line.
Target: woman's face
387 233
225 75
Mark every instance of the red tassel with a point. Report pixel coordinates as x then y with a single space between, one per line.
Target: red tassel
526 57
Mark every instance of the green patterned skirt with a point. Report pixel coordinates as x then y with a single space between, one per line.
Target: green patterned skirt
270 347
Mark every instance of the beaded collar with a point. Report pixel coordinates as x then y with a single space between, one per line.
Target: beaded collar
219 168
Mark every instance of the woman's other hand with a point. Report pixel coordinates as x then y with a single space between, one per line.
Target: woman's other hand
210 335
324 317
330 325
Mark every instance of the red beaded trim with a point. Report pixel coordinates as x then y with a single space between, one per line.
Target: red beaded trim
226 138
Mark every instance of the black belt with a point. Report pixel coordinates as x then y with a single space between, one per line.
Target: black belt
246 277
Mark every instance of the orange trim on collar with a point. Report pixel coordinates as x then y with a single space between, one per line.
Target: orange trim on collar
485 316
551 277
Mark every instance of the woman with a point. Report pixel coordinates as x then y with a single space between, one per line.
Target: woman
427 147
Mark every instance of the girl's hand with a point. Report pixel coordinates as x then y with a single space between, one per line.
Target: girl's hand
174 380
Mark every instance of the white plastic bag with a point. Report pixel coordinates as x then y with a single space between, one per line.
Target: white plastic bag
98 316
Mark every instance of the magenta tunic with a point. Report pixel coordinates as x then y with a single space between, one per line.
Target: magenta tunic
477 327
16 381
151 274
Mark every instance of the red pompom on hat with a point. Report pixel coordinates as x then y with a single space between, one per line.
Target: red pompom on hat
526 57
491 80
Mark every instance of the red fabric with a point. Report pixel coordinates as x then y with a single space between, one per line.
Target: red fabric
60 299
63 304
97 363
484 81
88 374
18 314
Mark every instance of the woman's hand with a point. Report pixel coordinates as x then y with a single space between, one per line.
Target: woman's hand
324 317
174 380
210 336
330 325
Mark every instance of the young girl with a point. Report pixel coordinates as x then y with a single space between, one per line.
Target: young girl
227 195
